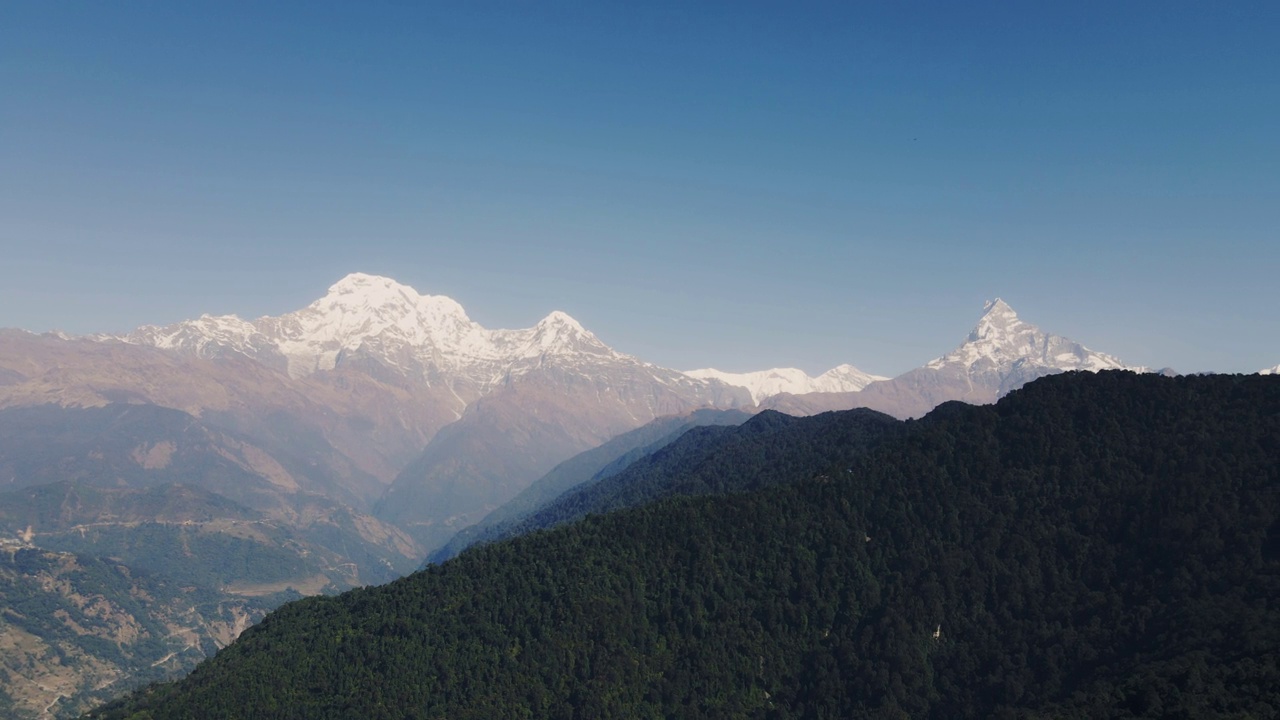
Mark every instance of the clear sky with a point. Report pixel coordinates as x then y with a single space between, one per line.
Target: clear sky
739 185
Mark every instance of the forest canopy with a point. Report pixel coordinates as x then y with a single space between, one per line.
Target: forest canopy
1091 546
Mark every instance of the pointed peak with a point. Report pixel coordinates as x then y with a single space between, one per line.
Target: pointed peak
997 317
850 372
558 319
997 307
1002 341
560 334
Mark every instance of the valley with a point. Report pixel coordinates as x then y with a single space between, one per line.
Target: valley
341 445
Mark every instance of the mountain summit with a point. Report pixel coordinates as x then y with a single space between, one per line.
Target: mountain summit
1002 343
1002 353
378 318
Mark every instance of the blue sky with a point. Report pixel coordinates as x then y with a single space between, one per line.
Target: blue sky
739 185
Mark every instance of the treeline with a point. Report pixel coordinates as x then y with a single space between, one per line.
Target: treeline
1093 546
769 449
582 470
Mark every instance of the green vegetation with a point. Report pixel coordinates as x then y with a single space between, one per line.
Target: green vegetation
196 537
190 555
103 445
67 505
581 471
88 629
1092 546
769 449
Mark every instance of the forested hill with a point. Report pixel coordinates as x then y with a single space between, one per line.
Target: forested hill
583 470
1092 546
769 449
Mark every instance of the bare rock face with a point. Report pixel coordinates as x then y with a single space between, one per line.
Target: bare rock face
1001 354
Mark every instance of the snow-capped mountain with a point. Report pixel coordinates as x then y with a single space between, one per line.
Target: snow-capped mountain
399 402
764 384
426 335
1270 371
1003 345
394 399
516 401
1001 354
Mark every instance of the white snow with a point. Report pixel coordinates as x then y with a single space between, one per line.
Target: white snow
432 337
764 384
1270 371
377 315
1002 339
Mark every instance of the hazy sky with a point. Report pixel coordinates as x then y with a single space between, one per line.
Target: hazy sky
736 185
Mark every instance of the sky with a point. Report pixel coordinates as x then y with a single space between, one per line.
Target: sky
736 185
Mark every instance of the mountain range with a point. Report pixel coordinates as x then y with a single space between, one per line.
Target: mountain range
401 407
1094 545
1001 354
357 435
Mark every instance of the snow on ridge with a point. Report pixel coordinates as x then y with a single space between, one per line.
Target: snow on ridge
377 315
764 384
1001 339
1270 371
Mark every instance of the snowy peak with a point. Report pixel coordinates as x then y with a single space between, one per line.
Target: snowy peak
360 307
764 384
206 336
998 309
370 289
377 317
848 377
997 319
371 303
558 321
556 337
1002 340
560 334
1270 371
558 331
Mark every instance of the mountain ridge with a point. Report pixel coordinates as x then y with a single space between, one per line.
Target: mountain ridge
411 332
1000 354
1093 545
764 384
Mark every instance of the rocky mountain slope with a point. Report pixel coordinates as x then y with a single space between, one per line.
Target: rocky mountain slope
76 630
512 403
519 432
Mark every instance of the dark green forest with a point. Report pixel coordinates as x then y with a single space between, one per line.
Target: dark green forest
1092 546
769 449
580 471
